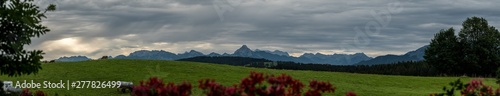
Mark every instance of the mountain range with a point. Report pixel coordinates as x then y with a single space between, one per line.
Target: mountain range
72 59
416 55
277 55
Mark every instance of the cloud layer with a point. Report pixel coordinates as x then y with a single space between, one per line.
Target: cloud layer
112 27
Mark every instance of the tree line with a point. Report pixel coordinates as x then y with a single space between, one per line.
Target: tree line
410 68
474 52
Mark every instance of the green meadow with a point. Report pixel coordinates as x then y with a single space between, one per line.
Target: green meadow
176 71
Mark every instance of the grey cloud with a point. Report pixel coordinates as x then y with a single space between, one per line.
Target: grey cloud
295 26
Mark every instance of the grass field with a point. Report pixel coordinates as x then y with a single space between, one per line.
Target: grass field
175 71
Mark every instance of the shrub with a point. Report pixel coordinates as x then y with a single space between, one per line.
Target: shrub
350 94
473 88
26 92
253 85
282 85
2 92
317 87
212 88
498 75
156 87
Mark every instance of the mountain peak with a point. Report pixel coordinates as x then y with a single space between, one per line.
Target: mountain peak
191 53
360 54
243 51
420 52
244 48
214 54
194 52
320 54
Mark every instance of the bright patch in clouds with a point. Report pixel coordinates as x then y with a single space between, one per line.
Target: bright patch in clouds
71 44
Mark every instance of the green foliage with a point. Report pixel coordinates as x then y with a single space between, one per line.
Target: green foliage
457 85
407 68
20 20
442 52
475 87
498 76
2 92
480 46
474 52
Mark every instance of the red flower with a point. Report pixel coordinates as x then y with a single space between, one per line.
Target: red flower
257 78
282 85
40 93
26 92
350 94
156 87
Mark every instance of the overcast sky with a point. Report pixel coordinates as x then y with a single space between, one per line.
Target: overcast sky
96 28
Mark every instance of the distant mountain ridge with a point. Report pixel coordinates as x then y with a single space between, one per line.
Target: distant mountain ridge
276 52
72 59
159 55
343 59
245 51
230 60
416 55
277 55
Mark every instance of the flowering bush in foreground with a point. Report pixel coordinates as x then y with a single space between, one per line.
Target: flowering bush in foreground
156 87
350 94
253 85
473 88
26 92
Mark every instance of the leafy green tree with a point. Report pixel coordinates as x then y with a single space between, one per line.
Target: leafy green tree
442 52
481 43
476 51
20 20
